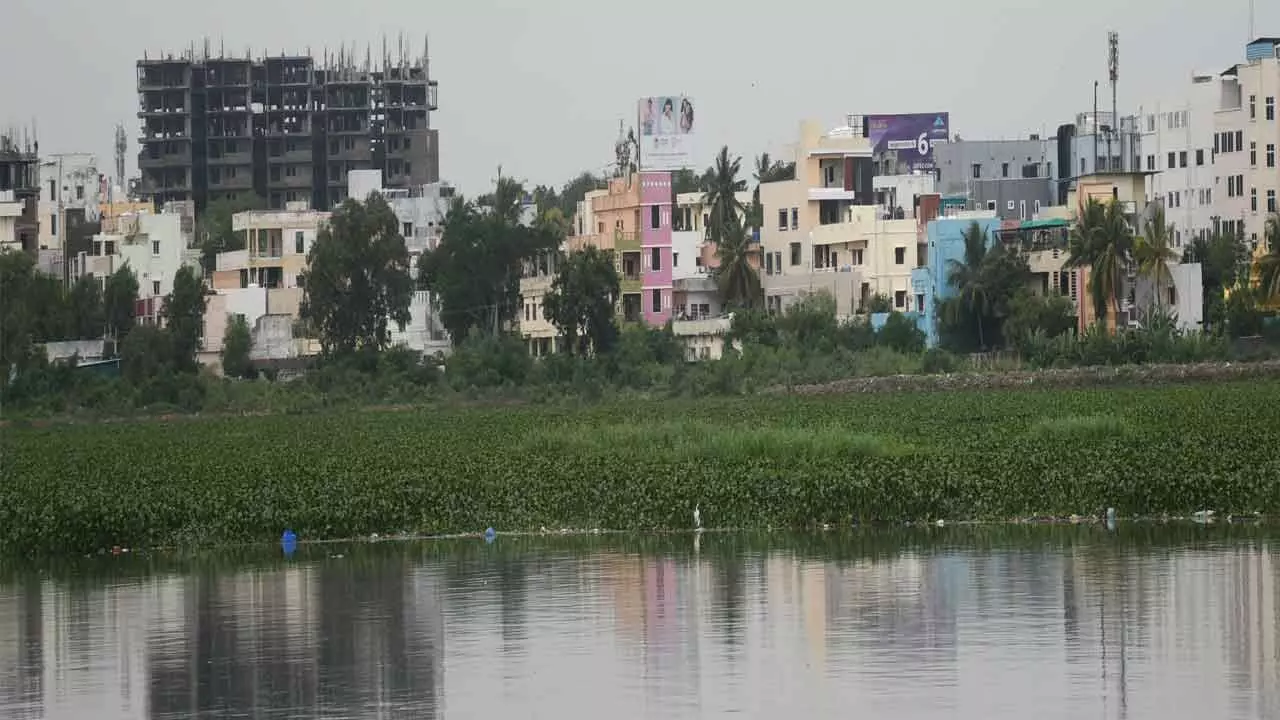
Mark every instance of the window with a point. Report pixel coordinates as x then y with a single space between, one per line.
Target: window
1253 106
1217 143
1271 155
829 176
856 256
657 301
1253 154
655 259
675 259
1151 162
53 225
777 261
79 192
1271 108
795 218
1199 157
655 217
1173 160
155 287
782 219
1037 207
298 246
1022 209
977 171
155 248
899 299
1239 141
1271 201
899 256
1182 159
795 253
768 263
1004 169
53 191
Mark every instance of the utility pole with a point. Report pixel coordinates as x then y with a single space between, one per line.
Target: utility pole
1113 72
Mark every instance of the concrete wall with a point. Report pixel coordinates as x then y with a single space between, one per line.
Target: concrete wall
931 283
1183 126
994 160
1013 198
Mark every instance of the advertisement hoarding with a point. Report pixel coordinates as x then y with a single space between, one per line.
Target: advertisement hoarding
666 126
910 138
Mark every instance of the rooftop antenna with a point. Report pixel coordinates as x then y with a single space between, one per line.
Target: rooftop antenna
1251 37
1113 73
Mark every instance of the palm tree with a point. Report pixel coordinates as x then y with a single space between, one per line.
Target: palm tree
968 277
721 199
738 279
1154 252
1102 242
1268 266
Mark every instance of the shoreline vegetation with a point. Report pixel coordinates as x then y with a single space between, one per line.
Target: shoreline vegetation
782 461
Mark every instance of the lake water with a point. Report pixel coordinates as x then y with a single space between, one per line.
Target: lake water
1015 622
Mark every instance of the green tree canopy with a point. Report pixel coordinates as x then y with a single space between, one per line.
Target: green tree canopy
236 347
214 232
184 316
120 301
357 280
581 301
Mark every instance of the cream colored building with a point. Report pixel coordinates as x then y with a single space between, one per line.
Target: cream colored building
827 231
1247 141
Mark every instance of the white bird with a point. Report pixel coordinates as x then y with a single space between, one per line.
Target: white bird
697 517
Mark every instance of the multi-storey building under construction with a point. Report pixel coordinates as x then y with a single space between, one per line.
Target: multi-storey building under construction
285 128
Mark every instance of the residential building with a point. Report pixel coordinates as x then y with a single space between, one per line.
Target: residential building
20 185
612 221
288 129
696 296
1180 151
1096 143
930 281
261 283
1013 178
825 232
539 334
1247 139
152 245
69 185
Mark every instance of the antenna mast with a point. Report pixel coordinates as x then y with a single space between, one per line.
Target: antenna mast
1113 72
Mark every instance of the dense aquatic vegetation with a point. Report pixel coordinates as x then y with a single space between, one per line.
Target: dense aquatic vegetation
780 461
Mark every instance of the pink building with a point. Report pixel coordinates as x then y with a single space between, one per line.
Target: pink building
655 246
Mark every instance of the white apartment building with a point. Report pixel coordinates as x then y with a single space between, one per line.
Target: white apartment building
1178 147
153 246
10 213
1247 138
69 183
827 231
695 295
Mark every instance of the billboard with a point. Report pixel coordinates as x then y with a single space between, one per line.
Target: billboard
666 132
909 138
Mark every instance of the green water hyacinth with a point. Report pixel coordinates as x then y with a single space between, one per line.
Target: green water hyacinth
775 461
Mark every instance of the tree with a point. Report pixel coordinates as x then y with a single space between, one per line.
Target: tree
723 208
1102 241
119 300
969 277
475 271
357 279
1154 252
737 278
146 352
582 299
1223 260
214 233
1268 266
1053 315
88 316
236 347
16 337
184 317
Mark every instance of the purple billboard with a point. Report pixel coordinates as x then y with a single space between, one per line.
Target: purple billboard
909 138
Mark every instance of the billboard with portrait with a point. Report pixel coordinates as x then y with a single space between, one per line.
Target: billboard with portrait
909 138
666 126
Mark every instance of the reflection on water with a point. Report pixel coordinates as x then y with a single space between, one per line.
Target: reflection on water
967 623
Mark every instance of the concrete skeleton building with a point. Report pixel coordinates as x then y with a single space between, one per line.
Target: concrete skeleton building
287 129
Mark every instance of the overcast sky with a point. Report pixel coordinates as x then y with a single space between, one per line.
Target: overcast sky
539 87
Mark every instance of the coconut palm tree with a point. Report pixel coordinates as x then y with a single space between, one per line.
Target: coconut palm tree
1102 242
1154 252
1268 266
968 277
721 201
737 277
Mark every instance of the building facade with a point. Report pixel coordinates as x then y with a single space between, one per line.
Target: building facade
1179 150
1247 138
1012 178
69 184
152 245
19 194
286 129
825 232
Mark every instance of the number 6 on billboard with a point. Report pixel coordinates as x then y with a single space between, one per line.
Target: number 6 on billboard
922 143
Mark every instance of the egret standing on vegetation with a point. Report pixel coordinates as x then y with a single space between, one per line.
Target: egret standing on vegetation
697 518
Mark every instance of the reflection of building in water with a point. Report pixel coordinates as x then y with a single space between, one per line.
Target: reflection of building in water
21 652
622 578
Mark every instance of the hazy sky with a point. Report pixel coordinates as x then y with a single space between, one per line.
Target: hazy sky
539 87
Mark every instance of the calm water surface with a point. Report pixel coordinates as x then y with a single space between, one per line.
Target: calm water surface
946 623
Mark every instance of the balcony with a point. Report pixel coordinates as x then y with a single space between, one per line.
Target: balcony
832 193
705 326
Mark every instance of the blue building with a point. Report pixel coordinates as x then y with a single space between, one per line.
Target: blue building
929 283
